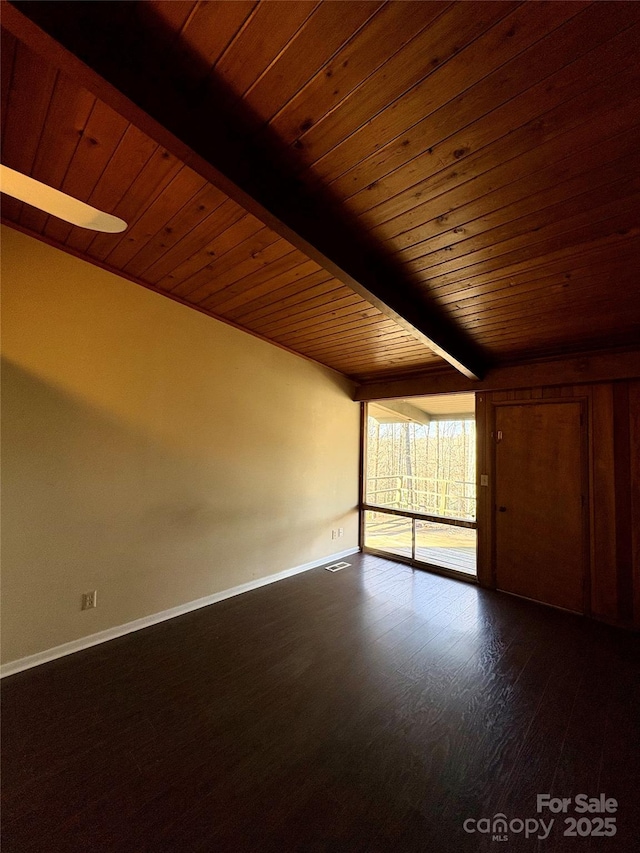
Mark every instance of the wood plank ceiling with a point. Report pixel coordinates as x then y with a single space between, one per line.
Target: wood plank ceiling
488 151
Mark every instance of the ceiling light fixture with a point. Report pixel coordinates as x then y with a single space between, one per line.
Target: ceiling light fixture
57 203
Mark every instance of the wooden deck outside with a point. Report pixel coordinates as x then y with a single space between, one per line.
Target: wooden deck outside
458 559
437 544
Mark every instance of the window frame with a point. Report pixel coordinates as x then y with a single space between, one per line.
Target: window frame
365 507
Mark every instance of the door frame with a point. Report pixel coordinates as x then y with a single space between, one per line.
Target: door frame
583 402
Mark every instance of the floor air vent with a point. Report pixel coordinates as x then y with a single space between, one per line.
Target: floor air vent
337 566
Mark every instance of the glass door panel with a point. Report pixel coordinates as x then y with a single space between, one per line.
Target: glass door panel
446 545
419 489
389 533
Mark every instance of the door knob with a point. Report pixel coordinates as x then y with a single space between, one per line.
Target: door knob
502 509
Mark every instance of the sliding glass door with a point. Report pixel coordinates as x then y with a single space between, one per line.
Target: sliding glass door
419 501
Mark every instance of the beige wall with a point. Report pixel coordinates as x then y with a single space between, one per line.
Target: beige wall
152 453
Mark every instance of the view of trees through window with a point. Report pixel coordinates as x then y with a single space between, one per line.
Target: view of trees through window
428 468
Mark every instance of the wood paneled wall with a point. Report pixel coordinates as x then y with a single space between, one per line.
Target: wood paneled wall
613 431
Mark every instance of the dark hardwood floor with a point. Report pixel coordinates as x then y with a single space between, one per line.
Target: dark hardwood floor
374 709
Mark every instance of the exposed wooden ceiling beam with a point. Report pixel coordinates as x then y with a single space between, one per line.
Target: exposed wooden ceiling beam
125 62
571 370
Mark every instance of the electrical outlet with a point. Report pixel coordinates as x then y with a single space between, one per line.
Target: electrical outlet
89 599
334 534
340 532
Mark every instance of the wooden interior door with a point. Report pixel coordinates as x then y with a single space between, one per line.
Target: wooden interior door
540 498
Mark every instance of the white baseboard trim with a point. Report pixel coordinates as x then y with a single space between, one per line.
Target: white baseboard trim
111 633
